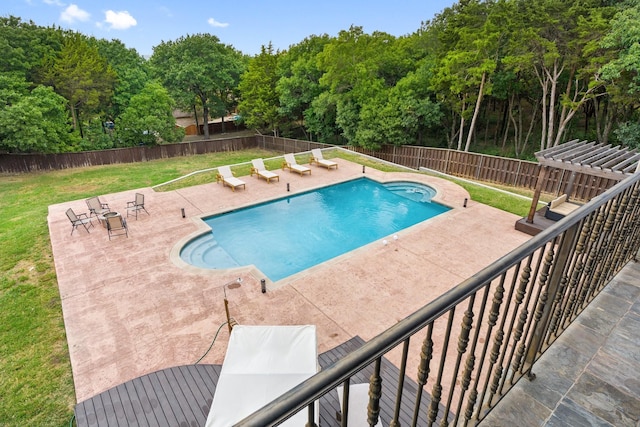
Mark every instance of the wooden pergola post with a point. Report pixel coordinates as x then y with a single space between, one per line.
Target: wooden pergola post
542 178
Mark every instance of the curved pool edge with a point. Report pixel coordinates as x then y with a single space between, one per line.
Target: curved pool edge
419 177
202 228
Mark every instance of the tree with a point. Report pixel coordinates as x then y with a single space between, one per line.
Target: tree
82 76
402 115
24 46
621 75
463 71
131 73
199 71
35 121
298 78
148 120
358 69
259 106
564 33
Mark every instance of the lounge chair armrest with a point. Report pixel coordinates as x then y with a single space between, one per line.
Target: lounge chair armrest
82 215
131 204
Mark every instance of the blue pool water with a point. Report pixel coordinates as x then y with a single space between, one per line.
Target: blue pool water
291 234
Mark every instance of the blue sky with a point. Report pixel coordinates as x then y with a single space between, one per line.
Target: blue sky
246 25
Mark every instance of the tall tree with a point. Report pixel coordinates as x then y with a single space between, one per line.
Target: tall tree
564 30
621 75
464 69
298 77
260 104
358 70
131 73
81 75
198 70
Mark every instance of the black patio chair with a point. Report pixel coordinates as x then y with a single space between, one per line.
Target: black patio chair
79 220
136 205
116 225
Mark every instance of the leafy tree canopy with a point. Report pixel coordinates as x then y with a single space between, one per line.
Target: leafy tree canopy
148 120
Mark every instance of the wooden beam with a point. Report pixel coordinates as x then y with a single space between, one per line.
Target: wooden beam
542 177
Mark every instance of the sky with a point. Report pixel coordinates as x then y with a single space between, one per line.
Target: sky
246 25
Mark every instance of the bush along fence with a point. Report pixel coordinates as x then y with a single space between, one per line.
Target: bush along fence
474 166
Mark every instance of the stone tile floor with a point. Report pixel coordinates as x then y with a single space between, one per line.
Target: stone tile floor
591 375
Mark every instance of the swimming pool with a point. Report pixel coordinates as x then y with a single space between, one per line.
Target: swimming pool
291 234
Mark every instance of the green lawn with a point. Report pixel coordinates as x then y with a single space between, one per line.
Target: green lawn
36 386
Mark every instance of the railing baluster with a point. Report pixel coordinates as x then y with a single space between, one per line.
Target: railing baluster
311 422
498 339
518 350
534 338
345 403
591 261
492 320
437 387
471 358
375 392
463 341
426 354
606 241
395 422
579 270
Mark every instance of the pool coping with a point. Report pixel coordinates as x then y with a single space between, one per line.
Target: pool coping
203 228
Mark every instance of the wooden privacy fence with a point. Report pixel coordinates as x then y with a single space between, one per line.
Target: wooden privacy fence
497 170
474 166
20 163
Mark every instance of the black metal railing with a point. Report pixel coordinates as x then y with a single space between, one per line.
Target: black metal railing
467 348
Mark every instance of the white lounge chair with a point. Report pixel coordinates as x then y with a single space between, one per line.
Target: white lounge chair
316 157
226 176
261 363
261 171
291 164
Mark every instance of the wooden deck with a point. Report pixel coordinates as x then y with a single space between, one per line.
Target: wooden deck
182 396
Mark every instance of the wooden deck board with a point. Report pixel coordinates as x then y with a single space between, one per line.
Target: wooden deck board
182 396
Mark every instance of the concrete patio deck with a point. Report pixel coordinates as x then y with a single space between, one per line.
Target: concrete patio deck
130 309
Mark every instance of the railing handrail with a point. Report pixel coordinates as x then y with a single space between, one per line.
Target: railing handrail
326 380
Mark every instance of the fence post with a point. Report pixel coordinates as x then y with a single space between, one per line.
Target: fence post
480 163
517 174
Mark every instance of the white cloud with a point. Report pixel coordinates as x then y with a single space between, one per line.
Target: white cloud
73 13
54 2
215 23
120 20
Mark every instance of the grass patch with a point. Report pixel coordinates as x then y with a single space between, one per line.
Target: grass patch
35 373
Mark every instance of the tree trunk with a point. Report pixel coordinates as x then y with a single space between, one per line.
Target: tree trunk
544 84
552 104
475 112
205 120
460 135
195 114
